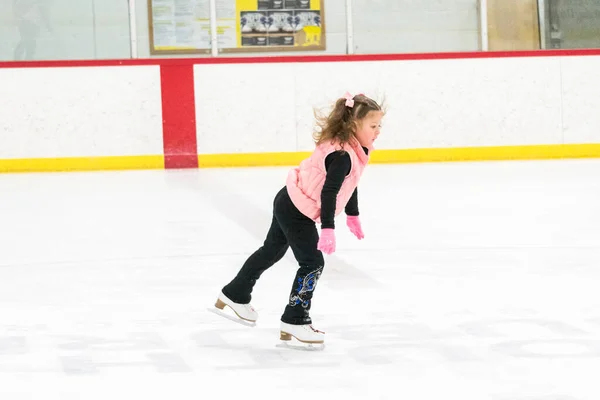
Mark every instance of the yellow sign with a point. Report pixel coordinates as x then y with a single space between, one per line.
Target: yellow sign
269 25
183 26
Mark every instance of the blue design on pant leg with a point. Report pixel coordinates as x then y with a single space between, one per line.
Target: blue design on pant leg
305 285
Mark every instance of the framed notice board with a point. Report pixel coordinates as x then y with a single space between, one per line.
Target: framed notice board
183 26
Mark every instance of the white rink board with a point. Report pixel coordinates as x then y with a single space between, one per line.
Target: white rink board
245 108
80 111
430 103
581 100
479 102
241 108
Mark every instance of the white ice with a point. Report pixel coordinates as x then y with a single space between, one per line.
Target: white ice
474 281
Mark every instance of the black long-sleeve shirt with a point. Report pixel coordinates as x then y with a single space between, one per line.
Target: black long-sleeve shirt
338 166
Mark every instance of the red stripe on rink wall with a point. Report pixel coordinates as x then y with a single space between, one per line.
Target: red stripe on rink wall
179 116
308 58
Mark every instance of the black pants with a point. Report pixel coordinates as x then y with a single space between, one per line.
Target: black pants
289 228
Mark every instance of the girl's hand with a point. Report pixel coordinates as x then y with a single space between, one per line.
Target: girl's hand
353 223
327 241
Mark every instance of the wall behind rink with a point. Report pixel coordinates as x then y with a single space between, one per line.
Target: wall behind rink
185 113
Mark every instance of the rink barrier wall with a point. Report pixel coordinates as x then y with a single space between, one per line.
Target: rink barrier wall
177 113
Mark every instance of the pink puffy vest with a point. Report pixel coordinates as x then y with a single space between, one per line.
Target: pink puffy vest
305 182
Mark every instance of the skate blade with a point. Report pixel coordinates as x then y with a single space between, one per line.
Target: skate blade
232 318
301 346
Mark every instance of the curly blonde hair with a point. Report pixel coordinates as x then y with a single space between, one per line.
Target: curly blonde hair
341 123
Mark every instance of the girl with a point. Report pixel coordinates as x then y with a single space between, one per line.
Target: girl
315 192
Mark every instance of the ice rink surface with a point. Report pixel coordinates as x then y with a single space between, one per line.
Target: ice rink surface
475 281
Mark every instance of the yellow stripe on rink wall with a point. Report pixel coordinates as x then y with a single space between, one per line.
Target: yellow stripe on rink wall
82 164
250 159
534 152
496 153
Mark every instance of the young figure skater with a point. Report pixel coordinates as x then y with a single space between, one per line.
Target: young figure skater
324 185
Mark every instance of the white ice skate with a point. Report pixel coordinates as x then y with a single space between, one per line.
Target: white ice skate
311 338
245 313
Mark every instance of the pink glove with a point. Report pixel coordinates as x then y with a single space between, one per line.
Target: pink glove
327 241
354 224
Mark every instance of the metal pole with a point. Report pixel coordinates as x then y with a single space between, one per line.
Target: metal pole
483 24
94 30
542 22
349 28
132 30
214 39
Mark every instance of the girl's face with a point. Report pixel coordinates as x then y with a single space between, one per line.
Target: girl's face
369 128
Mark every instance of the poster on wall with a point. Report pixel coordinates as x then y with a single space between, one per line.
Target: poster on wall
183 26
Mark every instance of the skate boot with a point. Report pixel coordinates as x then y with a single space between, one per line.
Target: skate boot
305 334
246 314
